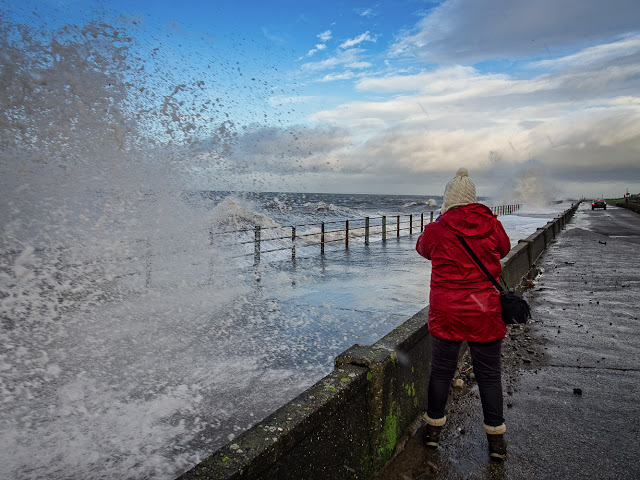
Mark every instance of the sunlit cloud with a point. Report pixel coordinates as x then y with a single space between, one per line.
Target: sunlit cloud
457 115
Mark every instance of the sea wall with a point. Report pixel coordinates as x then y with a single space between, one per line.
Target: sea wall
631 206
348 424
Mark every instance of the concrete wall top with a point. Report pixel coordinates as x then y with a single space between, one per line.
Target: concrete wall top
256 450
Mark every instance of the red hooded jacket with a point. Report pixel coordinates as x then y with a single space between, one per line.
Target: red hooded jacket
463 303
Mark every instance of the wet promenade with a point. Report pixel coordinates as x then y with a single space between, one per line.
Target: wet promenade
571 378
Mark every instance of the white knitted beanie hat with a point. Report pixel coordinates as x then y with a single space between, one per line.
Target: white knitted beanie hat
459 191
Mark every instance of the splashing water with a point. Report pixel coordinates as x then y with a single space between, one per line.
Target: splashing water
530 186
109 351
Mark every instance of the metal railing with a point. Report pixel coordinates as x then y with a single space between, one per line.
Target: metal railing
324 236
141 256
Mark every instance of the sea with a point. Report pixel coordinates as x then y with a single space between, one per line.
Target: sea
134 353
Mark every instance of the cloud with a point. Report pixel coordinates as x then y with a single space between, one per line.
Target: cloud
365 37
628 46
568 103
468 31
273 38
331 77
320 46
350 58
365 12
325 36
281 151
581 116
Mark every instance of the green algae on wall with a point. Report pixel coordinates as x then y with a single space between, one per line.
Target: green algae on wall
390 433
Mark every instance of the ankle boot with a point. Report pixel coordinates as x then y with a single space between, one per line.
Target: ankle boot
497 447
497 443
432 432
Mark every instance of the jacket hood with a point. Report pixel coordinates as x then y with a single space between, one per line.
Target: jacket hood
473 220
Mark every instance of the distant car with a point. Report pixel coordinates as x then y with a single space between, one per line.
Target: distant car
599 203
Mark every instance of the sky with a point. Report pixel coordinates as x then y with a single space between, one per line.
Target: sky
394 96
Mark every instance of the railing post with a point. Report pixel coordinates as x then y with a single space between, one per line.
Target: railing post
398 227
411 224
366 231
421 222
256 245
346 235
322 239
147 261
431 219
211 256
384 228
293 242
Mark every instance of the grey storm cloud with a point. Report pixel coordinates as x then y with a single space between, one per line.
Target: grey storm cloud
476 30
273 149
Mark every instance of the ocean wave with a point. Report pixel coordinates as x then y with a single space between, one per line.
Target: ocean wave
332 209
429 203
234 213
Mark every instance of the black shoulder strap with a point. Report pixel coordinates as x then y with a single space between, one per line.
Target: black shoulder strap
479 263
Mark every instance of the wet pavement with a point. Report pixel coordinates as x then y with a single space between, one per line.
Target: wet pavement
571 377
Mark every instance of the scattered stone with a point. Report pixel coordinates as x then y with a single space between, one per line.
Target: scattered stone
432 466
458 382
577 391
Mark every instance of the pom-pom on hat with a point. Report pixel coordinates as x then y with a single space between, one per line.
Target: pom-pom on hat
459 191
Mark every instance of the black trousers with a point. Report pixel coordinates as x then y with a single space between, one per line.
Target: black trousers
486 366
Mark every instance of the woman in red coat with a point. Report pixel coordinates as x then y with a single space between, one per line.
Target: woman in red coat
465 306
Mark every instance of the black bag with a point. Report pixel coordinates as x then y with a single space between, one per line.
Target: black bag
515 306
